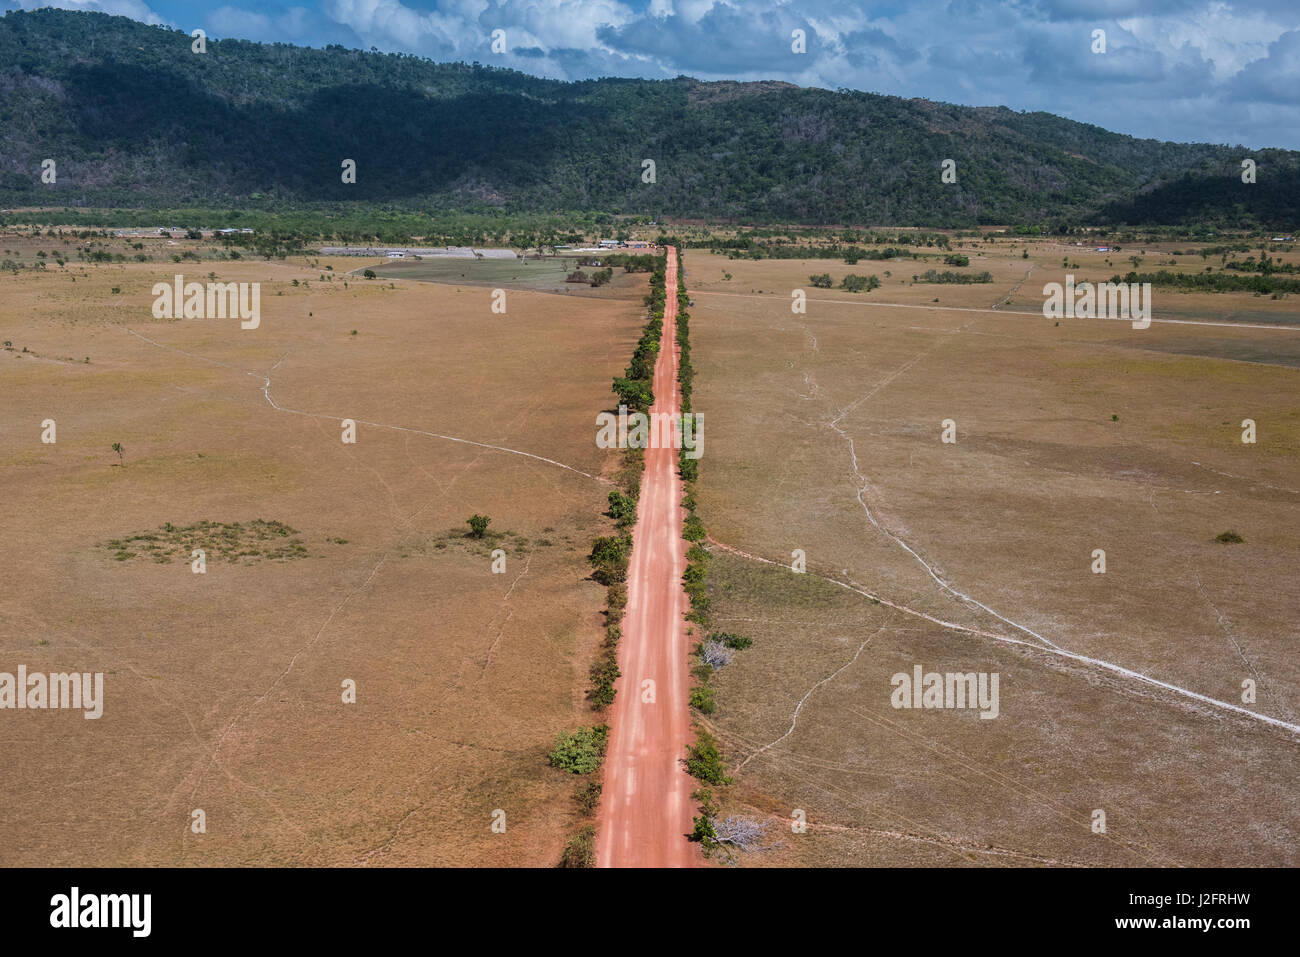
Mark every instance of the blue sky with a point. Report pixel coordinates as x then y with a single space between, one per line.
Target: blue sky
1203 70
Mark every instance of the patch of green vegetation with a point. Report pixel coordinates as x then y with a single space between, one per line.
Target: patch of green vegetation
1212 282
220 541
604 672
702 699
588 796
581 849
704 760
704 832
856 283
1229 538
622 508
609 558
580 751
739 642
107 96
947 276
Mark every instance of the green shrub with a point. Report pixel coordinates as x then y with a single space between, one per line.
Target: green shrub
702 699
704 832
581 849
932 275
636 394
1228 538
609 557
478 525
603 675
581 751
738 642
704 761
854 283
622 508
615 602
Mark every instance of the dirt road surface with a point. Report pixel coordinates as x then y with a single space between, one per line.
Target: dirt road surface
646 808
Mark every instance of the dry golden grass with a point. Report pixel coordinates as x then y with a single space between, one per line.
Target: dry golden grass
223 690
1040 476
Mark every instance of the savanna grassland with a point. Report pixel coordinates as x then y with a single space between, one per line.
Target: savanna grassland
824 435
326 562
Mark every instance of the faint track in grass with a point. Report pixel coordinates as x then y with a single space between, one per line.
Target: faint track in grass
1049 649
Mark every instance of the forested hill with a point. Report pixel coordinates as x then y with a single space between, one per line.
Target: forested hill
133 118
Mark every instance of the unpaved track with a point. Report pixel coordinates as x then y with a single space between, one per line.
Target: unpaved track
645 812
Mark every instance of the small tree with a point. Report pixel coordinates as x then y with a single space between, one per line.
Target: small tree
609 557
478 525
622 508
581 751
636 394
117 447
703 760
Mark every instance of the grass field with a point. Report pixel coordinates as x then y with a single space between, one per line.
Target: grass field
224 690
1069 438
539 275
330 562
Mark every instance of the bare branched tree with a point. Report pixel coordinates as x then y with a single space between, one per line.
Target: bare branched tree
743 832
716 654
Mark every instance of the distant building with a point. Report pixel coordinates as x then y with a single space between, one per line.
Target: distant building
609 244
396 254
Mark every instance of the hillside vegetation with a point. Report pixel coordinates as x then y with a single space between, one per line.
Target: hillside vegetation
134 118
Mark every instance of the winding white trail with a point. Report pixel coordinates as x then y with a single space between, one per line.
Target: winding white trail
794 718
1042 642
1050 648
266 392
863 484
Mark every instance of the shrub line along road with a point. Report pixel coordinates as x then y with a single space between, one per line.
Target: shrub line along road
645 808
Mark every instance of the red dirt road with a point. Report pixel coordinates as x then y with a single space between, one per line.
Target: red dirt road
645 807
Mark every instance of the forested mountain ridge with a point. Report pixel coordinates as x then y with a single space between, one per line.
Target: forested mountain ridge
134 118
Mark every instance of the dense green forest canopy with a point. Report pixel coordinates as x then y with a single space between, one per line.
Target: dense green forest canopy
135 119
